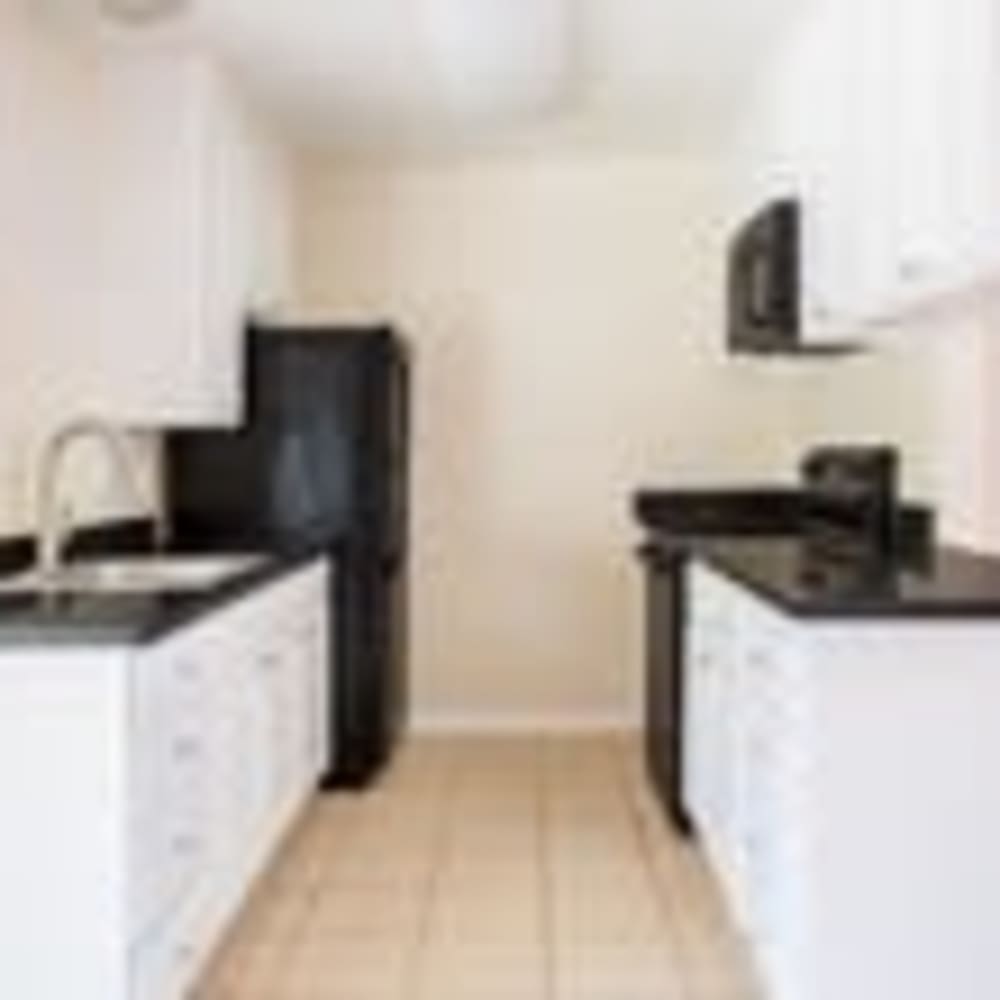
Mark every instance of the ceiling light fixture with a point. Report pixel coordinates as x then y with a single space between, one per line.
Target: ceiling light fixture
507 53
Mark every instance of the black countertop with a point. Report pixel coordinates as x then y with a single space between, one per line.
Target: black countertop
753 535
111 619
788 572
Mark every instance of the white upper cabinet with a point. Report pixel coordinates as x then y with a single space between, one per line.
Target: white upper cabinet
885 120
808 119
946 187
189 197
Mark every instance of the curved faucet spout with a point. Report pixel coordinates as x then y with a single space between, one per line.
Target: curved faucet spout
51 527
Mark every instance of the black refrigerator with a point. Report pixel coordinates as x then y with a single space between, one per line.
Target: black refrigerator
320 465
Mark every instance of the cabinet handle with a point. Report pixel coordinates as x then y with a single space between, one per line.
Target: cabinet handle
913 268
185 845
185 953
823 312
188 668
187 748
268 664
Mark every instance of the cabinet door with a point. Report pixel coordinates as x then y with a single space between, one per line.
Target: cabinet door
320 681
224 753
846 76
707 670
925 129
279 705
976 186
698 686
166 964
227 213
773 827
178 229
749 729
288 710
871 159
888 110
307 694
312 630
302 689
951 234
816 91
150 288
939 191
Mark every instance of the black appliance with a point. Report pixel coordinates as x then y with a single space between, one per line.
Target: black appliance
851 505
320 465
675 521
765 280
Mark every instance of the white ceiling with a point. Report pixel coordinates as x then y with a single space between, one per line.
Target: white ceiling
377 74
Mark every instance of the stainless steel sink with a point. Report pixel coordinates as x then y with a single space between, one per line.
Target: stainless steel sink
135 574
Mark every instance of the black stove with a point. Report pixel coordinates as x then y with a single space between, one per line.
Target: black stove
850 517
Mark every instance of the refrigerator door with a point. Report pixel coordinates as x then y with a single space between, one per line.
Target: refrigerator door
307 393
371 697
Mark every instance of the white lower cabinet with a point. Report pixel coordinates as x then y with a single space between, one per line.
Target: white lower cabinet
235 756
749 781
838 774
164 779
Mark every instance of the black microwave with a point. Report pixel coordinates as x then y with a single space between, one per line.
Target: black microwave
765 280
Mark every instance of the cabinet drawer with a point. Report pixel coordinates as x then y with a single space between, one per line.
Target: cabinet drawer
168 851
172 727
225 747
165 964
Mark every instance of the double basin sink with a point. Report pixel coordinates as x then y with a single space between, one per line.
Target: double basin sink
134 574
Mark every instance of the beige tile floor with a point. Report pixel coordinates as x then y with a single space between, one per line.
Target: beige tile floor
535 868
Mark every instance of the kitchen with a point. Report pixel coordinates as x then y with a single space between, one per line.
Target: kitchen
562 291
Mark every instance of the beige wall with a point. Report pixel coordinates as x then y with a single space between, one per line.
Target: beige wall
48 232
567 321
567 316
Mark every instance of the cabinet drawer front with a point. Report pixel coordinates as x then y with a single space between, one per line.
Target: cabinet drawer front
224 734
171 726
165 964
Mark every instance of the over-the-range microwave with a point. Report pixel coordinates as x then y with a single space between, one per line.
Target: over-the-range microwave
765 285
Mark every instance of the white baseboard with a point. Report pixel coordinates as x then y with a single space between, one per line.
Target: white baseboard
521 724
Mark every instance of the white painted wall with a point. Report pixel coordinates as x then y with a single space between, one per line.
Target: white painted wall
567 316
47 223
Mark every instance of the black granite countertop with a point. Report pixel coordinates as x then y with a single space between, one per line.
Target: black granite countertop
118 619
755 535
946 583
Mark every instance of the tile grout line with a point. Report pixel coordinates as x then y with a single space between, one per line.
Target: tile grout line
440 840
668 862
546 887
644 843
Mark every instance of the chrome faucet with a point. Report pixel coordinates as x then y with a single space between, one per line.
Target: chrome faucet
52 524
